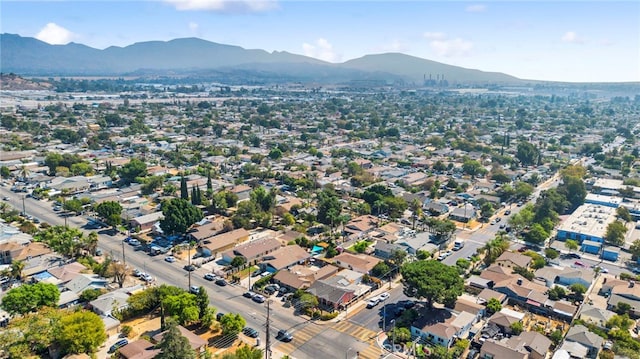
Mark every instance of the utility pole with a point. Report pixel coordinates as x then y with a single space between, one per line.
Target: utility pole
124 260
267 342
189 271
24 210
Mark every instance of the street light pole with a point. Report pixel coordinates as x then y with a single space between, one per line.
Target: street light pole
346 355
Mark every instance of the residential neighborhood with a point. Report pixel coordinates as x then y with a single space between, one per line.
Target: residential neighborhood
430 224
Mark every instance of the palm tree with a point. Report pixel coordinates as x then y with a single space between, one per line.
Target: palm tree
16 269
494 248
24 172
416 208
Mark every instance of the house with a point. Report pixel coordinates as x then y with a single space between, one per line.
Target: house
337 291
564 276
493 349
68 299
198 344
71 185
139 349
436 208
463 214
284 257
112 301
67 272
505 318
625 293
595 315
512 259
487 294
420 242
214 244
385 250
360 263
463 305
564 309
82 282
302 277
242 191
253 250
360 226
442 327
580 334
19 251
528 345
146 222
571 350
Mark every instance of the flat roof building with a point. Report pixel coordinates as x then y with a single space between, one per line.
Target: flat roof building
588 222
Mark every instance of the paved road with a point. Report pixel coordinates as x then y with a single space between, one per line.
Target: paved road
311 340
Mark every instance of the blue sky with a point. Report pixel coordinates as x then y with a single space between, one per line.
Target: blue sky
578 41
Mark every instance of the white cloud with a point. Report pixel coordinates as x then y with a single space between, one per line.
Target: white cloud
230 6
572 37
55 34
476 8
442 45
322 49
435 35
194 27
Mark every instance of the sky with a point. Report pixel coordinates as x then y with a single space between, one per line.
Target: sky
575 41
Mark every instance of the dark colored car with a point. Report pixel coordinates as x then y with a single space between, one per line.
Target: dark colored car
284 336
119 344
219 316
250 332
189 267
221 282
248 294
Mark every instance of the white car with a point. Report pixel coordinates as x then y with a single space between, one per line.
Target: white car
384 296
170 259
373 302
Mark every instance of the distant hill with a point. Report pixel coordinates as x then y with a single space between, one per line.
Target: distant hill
29 56
13 82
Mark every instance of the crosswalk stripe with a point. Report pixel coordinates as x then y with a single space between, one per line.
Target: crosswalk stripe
370 352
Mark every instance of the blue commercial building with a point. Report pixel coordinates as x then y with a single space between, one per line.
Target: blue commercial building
610 254
591 247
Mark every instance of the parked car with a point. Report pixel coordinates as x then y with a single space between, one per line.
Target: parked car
250 332
137 272
119 344
284 335
219 316
169 259
189 267
146 277
407 303
383 296
248 294
134 242
578 264
221 282
210 276
507 212
258 298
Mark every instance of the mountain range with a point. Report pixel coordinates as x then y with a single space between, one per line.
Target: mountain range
197 57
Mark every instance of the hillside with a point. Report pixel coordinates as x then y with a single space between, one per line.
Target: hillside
29 56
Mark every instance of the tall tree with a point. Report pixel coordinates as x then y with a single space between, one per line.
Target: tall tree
134 169
232 323
81 332
527 153
615 233
110 211
29 297
184 192
179 215
174 345
432 280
